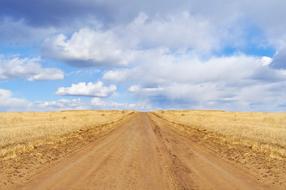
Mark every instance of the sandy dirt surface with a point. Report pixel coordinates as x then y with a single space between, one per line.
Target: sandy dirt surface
144 154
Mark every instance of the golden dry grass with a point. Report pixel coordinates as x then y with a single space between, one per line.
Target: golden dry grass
19 131
261 131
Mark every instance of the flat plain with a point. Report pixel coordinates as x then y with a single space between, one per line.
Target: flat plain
21 131
261 131
139 150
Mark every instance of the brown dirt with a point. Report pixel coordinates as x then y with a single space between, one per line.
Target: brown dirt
143 153
266 168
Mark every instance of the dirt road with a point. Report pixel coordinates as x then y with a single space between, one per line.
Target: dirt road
143 155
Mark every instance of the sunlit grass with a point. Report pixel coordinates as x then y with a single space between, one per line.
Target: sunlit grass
261 131
19 131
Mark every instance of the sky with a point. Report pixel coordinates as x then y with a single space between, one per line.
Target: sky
144 55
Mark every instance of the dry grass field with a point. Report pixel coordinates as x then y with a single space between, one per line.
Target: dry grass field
137 150
265 132
20 132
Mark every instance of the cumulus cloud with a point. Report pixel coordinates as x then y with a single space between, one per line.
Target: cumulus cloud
27 68
97 89
125 44
11 103
72 12
89 48
186 68
195 82
184 54
178 31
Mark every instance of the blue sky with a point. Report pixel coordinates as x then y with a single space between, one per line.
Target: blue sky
145 55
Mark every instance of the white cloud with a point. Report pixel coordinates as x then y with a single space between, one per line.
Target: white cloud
97 89
8 102
171 58
114 75
266 60
80 104
98 102
125 44
163 67
60 104
178 31
204 83
170 52
89 48
103 104
136 89
27 68
48 74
